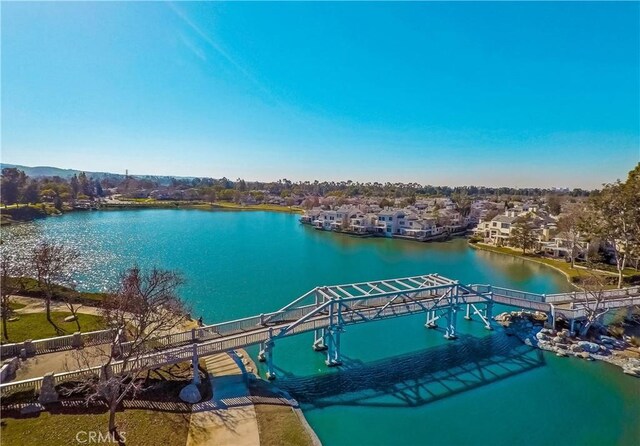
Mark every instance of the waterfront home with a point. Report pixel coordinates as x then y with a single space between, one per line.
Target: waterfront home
310 216
560 246
409 222
362 223
390 218
325 220
497 230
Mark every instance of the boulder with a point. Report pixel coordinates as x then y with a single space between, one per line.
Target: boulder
559 340
70 318
190 394
607 339
584 355
561 353
539 316
542 336
48 393
590 347
576 348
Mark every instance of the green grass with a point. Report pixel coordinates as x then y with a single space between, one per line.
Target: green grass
27 286
258 207
35 325
280 426
141 427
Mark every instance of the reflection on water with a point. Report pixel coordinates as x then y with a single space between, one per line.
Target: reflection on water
419 377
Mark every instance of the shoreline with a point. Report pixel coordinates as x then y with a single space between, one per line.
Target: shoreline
6 219
487 248
605 348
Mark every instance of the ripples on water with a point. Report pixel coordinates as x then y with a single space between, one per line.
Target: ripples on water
96 268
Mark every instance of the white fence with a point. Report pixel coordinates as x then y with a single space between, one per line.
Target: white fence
48 345
582 295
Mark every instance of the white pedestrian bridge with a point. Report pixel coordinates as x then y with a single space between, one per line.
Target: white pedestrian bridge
326 310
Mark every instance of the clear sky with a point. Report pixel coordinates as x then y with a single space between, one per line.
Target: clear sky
519 94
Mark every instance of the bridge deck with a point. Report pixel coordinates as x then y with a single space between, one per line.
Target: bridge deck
336 306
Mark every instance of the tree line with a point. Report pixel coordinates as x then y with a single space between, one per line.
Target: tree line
18 188
610 216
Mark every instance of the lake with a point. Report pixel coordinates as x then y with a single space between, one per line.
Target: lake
400 383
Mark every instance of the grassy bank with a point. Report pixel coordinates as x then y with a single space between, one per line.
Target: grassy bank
258 207
148 203
35 325
27 286
25 212
279 425
573 275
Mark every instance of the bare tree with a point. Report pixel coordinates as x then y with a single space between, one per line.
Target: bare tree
8 269
615 218
591 299
53 264
571 225
145 305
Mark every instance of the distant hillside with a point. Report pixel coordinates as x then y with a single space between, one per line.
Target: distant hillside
48 171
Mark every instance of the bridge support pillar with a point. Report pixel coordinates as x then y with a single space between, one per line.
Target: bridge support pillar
431 319
467 316
333 349
572 329
319 343
488 316
271 374
261 353
196 368
450 331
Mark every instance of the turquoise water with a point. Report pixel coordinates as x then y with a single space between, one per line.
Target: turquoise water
401 383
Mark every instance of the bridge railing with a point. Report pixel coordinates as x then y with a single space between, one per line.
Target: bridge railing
58 343
581 295
523 295
521 303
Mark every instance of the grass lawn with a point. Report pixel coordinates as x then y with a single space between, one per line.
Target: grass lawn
279 425
28 286
36 326
16 305
141 428
258 207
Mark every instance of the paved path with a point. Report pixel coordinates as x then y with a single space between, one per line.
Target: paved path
229 418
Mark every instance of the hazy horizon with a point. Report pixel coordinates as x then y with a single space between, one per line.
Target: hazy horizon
494 94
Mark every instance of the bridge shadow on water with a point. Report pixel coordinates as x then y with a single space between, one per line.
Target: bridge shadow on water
416 378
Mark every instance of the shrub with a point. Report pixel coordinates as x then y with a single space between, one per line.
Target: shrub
616 331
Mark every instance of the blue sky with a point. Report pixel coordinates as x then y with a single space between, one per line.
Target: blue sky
522 94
